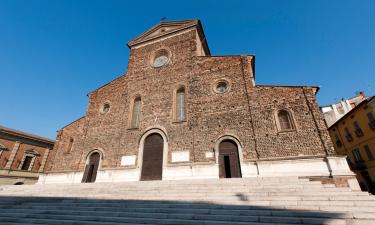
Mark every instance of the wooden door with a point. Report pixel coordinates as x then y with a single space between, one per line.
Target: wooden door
229 163
91 169
152 164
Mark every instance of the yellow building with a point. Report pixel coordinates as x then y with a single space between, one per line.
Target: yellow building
354 135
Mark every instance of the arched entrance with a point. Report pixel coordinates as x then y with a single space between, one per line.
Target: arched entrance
152 163
89 176
229 163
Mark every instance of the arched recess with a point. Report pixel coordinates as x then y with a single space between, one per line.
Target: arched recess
135 111
179 109
94 161
227 158
288 117
162 133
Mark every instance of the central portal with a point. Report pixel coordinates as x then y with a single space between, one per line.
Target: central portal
152 164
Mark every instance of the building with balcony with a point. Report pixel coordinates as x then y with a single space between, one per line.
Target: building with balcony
354 135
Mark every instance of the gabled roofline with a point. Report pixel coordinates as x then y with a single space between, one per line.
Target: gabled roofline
291 86
105 84
234 55
72 122
14 132
194 23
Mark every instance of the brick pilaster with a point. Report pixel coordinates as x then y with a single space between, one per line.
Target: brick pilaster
12 155
44 160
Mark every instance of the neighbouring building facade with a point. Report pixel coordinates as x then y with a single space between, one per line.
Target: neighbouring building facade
23 156
180 113
354 135
334 112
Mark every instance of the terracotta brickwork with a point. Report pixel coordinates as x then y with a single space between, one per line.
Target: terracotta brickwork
67 160
15 147
245 111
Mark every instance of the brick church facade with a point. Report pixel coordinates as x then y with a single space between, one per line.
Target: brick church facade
180 113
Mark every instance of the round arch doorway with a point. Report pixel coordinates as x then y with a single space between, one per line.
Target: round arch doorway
229 162
152 162
91 169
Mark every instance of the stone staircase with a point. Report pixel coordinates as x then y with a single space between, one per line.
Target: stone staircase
252 201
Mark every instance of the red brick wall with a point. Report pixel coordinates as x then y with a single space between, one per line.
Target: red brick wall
21 152
5 155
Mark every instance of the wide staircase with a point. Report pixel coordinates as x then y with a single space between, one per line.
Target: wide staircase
252 201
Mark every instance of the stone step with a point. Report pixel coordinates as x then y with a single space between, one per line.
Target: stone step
208 193
147 184
252 196
161 218
190 190
224 199
113 211
241 205
239 196
254 201
29 221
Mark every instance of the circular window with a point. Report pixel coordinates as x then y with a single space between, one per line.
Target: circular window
161 58
221 87
106 107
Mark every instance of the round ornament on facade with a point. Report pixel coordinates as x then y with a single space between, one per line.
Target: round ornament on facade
222 87
106 107
161 58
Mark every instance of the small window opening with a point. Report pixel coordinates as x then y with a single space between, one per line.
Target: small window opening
27 163
222 87
106 107
285 121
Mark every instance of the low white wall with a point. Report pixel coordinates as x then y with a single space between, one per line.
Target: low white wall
56 178
337 166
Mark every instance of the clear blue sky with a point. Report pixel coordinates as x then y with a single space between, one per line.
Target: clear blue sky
52 53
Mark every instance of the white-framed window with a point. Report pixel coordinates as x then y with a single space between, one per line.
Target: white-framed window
27 162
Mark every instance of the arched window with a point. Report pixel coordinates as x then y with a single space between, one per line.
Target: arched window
180 105
70 145
285 120
136 113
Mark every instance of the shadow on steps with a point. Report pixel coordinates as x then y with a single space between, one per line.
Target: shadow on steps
67 210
